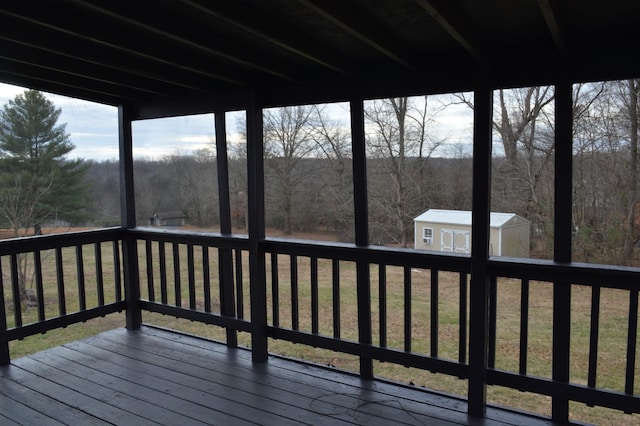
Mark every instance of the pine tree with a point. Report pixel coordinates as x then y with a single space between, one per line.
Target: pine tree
38 184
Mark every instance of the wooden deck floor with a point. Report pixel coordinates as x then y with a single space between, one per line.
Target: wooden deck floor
155 377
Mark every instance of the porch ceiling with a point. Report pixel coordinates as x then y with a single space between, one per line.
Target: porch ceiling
192 55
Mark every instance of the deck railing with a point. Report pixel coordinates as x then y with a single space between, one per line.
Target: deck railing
398 296
45 282
568 285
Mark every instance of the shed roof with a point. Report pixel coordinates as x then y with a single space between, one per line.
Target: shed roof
463 217
171 215
169 57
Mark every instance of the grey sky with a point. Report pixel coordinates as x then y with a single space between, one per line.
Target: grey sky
94 129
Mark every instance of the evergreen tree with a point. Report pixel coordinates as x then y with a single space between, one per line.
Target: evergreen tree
38 184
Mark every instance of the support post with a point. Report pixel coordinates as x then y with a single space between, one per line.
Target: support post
562 242
257 267
361 231
225 256
479 287
128 221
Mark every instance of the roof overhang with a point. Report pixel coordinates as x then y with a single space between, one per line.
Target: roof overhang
189 56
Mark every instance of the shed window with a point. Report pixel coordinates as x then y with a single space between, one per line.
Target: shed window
427 236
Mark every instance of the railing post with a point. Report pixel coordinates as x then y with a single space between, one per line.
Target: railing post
128 221
479 287
257 267
363 283
225 256
562 242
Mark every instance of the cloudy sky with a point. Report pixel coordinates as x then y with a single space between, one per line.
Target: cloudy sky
94 129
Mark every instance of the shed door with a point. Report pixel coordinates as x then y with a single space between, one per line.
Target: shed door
454 241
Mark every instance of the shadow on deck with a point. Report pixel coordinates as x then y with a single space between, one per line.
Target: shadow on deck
153 376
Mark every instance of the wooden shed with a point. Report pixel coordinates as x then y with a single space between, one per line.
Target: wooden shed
170 219
450 231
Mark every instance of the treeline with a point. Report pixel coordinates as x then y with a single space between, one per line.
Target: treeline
309 185
322 201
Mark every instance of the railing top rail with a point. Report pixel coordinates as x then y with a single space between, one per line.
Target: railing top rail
46 242
211 239
610 276
372 254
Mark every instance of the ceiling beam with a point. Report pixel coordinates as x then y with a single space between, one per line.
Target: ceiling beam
549 11
54 82
111 61
347 17
277 34
20 53
109 42
150 23
454 24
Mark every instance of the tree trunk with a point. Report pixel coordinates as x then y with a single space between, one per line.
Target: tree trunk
633 166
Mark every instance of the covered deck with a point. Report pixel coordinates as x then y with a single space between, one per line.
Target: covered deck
153 376
171 58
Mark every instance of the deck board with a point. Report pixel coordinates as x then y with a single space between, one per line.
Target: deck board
153 376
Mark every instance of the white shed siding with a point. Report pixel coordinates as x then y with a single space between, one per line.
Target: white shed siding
509 233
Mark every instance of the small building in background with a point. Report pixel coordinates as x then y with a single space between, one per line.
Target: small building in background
450 231
172 219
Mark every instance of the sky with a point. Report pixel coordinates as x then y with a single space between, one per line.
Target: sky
93 129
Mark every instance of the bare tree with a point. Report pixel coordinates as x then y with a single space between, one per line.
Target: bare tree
629 92
196 180
288 142
522 177
334 144
399 147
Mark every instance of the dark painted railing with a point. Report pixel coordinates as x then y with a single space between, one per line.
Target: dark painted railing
310 287
40 291
212 296
339 264
568 278
296 268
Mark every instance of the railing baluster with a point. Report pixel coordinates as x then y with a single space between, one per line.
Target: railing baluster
239 285
594 335
382 294
117 274
632 337
162 258
407 309
37 270
275 290
150 283
493 313
176 274
225 274
206 279
82 294
17 297
434 312
335 285
295 319
62 304
191 273
462 315
314 296
524 325
99 276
